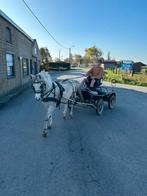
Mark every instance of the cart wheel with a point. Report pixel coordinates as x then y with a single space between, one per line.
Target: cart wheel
112 101
99 106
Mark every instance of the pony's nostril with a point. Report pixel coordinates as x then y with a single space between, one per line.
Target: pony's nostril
37 98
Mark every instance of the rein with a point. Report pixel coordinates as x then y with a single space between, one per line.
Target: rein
45 95
66 79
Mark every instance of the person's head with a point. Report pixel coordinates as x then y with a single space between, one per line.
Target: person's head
100 63
100 60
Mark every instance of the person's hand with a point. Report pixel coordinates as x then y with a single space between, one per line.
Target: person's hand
83 74
88 74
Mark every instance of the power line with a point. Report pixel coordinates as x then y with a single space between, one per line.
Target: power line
43 25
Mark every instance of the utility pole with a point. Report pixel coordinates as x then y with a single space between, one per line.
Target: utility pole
70 55
59 54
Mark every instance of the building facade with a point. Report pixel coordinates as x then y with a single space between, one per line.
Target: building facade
19 56
110 64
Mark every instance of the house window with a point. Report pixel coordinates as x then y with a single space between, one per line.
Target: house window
31 67
25 67
8 35
10 64
35 51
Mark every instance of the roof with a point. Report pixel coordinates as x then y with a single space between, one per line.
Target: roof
110 62
139 64
14 24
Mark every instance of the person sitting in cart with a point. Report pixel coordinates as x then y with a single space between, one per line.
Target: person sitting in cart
94 77
95 74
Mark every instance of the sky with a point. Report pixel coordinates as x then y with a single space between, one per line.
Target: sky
116 26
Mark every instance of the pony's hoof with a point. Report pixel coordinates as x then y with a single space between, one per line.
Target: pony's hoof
49 127
71 116
64 117
44 134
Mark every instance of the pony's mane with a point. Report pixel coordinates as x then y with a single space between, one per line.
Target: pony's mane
45 76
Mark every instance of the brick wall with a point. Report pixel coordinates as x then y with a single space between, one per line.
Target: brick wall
21 47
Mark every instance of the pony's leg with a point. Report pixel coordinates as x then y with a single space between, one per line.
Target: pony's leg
70 106
73 97
51 109
48 120
65 110
44 134
71 111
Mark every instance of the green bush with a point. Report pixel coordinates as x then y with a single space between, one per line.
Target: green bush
136 79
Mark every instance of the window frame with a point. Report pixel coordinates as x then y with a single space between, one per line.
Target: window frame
25 67
35 50
10 65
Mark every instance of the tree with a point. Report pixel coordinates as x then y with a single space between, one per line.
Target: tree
92 54
86 61
57 60
77 59
66 60
45 55
69 59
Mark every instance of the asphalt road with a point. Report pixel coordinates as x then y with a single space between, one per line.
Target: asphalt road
88 155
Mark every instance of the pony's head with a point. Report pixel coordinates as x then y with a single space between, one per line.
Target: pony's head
38 85
41 83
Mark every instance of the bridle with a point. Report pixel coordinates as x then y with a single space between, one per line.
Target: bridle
43 93
42 87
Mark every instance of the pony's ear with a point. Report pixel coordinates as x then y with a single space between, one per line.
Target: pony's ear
32 77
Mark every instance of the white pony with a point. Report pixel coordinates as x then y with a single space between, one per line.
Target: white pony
53 93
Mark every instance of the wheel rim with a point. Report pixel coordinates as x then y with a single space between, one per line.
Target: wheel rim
100 107
112 101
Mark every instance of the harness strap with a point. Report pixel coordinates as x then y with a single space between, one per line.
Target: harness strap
47 99
53 99
61 92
